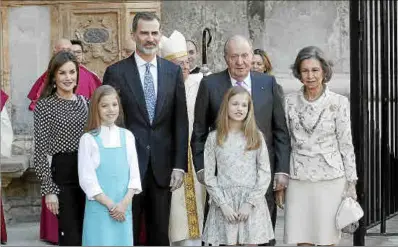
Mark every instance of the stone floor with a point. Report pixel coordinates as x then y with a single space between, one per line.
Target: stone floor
27 234
347 240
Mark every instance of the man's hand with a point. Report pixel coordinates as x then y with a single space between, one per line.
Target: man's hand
52 203
244 211
177 178
280 198
200 175
281 181
229 213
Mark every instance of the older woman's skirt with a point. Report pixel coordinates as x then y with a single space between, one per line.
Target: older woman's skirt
310 211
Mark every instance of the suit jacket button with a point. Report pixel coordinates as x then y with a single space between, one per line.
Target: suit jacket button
148 147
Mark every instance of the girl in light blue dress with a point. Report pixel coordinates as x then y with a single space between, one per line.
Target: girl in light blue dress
108 173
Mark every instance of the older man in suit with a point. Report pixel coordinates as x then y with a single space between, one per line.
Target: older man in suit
268 109
153 97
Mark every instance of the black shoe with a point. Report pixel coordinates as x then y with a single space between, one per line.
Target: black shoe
270 243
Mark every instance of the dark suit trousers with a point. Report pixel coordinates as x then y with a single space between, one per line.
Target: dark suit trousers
155 202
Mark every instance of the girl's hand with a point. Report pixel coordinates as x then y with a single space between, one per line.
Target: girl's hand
229 213
118 216
244 211
52 203
122 206
118 212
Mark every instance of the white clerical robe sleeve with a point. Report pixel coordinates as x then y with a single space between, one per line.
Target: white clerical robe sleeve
135 180
7 135
87 164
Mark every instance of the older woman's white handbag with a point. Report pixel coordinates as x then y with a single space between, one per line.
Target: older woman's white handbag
348 215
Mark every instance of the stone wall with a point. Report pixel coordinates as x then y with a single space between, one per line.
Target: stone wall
21 199
282 28
29 49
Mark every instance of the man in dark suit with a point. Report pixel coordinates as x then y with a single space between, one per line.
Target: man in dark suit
268 109
153 97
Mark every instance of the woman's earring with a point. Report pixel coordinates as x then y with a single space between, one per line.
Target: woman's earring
55 86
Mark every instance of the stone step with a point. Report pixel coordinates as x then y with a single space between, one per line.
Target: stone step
27 234
14 164
13 167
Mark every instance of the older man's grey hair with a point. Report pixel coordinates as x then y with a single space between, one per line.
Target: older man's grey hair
239 38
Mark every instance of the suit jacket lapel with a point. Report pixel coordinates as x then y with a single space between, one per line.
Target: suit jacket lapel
257 93
134 81
225 84
161 88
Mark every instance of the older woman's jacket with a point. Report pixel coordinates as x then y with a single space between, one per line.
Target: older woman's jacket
321 139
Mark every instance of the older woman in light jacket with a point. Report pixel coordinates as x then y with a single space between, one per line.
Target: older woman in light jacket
322 164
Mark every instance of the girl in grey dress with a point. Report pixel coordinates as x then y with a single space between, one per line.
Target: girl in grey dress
237 175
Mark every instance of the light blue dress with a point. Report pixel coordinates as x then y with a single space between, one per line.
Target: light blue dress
99 228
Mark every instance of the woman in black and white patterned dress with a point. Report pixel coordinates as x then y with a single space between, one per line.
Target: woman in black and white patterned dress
59 118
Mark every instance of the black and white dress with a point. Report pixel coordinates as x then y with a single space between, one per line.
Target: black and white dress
58 126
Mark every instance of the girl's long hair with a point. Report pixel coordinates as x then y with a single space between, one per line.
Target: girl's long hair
249 127
55 63
94 121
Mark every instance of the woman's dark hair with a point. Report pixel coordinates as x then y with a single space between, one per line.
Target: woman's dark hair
313 52
56 62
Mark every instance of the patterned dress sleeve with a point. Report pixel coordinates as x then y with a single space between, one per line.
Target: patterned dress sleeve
41 139
263 177
210 178
344 139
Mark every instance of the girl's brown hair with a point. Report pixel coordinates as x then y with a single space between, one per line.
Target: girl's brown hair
94 120
249 127
56 62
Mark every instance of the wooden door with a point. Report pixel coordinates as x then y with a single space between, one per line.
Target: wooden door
102 27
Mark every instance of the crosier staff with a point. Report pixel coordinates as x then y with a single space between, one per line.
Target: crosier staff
205 44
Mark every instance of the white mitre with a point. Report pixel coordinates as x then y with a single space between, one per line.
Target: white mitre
161 42
173 47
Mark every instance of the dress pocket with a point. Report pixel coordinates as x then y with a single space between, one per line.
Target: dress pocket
334 159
